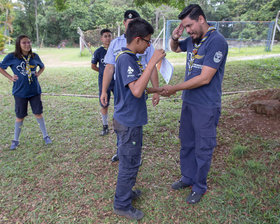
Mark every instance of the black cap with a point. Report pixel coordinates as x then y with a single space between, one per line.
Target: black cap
131 14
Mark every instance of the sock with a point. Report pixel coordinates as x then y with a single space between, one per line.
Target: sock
17 130
104 119
41 122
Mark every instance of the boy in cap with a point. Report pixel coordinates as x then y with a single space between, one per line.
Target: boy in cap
98 57
130 112
113 50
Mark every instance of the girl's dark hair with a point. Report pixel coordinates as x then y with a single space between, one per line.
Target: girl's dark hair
193 11
138 28
18 52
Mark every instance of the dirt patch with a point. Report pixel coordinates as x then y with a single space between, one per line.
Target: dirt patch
247 121
54 61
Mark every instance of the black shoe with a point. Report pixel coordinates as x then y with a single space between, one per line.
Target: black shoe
132 213
194 197
179 185
105 130
135 194
115 158
14 144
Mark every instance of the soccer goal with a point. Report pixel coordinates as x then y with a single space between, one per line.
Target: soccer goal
238 34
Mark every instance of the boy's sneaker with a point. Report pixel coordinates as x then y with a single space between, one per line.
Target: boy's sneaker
135 194
115 158
132 213
14 144
105 130
179 185
194 197
47 140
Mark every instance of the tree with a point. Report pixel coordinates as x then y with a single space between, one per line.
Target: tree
179 4
6 7
26 17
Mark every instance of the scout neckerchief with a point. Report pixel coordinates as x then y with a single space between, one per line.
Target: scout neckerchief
27 68
131 52
139 64
197 46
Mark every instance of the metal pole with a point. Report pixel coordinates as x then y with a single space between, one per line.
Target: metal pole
274 31
163 41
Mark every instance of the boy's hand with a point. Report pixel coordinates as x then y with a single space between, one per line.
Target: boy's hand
14 78
177 32
158 55
104 98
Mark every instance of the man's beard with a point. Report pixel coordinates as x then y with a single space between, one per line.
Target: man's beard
198 39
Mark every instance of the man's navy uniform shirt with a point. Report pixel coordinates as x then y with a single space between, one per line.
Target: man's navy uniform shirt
212 53
98 57
21 87
129 110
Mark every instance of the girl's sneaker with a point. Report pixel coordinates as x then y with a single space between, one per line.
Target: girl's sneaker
47 140
14 144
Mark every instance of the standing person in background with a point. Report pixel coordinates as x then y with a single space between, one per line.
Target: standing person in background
98 57
26 87
202 90
110 60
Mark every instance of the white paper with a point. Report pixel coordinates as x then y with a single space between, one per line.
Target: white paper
166 70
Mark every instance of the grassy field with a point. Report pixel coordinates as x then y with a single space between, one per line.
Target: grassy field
73 180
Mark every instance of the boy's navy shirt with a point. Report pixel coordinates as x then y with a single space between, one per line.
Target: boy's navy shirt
212 53
98 57
129 110
21 87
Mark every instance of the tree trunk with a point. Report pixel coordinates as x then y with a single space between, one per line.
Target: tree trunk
36 22
6 22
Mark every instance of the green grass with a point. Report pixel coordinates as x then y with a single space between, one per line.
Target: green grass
73 180
73 54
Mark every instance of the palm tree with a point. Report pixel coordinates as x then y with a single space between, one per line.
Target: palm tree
6 6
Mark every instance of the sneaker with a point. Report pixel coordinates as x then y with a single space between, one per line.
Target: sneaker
179 185
47 140
14 144
105 130
115 158
194 197
132 213
135 194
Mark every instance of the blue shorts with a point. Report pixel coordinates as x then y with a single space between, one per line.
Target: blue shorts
21 105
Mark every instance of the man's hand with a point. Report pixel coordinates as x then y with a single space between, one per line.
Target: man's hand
177 32
168 90
104 98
